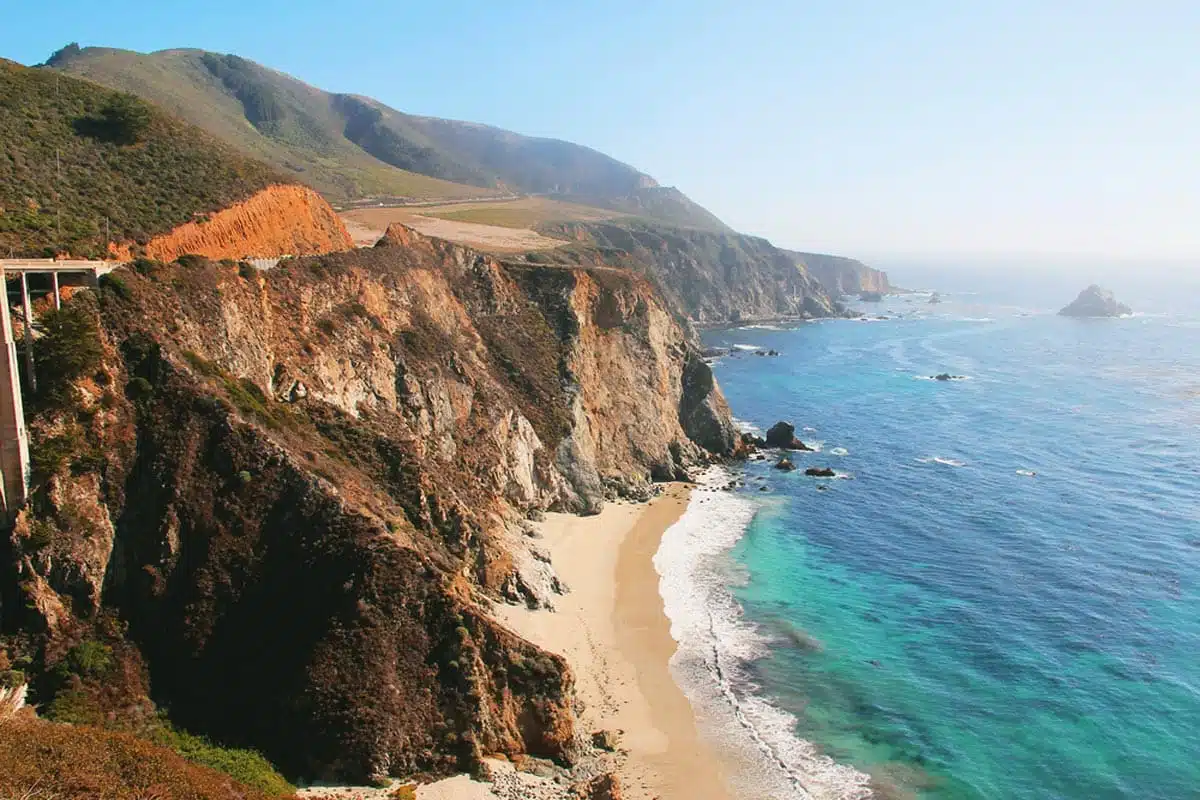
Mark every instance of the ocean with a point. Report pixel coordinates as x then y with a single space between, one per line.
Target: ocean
998 596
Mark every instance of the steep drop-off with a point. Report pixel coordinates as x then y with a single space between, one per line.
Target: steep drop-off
297 491
277 221
842 276
710 278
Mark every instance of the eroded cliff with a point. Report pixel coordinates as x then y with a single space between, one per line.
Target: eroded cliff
292 494
281 220
842 276
711 278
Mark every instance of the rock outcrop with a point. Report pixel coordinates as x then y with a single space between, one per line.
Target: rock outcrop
842 276
281 220
296 490
1095 301
710 278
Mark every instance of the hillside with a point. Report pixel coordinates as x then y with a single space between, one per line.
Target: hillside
351 147
81 162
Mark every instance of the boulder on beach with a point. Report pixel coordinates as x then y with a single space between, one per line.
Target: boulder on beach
1095 301
820 472
783 435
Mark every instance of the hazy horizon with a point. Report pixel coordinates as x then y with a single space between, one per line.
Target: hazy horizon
889 133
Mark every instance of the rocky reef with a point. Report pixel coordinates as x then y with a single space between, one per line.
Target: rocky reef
284 500
1095 301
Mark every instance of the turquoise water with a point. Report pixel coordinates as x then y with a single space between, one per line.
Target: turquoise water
941 618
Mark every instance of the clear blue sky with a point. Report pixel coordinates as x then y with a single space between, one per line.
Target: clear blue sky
875 128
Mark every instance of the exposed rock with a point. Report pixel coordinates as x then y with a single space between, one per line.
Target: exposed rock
820 472
305 577
946 376
606 740
279 220
1095 302
712 278
601 787
783 435
842 276
935 298
785 464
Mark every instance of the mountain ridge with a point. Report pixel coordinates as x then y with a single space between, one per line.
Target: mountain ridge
349 146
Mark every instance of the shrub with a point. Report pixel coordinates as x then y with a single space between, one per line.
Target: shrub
139 389
68 349
244 766
244 478
89 659
247 271
48 456
41 535
115 285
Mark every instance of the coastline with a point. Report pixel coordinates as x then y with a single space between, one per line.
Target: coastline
612 629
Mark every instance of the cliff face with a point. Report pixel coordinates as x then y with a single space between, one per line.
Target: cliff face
711 278
299 488
277 221
842 276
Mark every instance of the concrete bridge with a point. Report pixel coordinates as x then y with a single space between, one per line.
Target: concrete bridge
33 276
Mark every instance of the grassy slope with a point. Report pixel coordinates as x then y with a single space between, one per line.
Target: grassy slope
54 178
305 138
351 147
74 762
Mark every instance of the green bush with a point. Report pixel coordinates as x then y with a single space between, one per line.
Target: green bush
139 389
89 659
68 349
245 766
116 285
48 456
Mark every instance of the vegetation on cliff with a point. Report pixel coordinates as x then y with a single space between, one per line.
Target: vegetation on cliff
81 165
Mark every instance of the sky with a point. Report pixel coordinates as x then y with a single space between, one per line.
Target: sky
922 128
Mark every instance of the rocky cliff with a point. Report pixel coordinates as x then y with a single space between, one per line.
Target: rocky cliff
711 278
277 221
842 276
285 499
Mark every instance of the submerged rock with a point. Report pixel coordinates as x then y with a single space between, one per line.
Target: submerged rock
946 376
1095 301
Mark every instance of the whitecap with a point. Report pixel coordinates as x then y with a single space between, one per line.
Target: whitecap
839 451
1028 473
716 643
747 347
949 462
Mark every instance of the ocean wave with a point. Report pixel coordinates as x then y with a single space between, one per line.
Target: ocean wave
1028 473
747 427
746 347
839 451
761 328
948 462
809 429
715 645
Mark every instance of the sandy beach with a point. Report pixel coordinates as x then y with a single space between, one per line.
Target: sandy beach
612 630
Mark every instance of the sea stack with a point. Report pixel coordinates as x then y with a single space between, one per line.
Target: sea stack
1095 302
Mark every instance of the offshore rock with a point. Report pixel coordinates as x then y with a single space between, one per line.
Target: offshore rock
1095 301
783 435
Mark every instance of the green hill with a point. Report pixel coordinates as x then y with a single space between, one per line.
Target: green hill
77 160
352 147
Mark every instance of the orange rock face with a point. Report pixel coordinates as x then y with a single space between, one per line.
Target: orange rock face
278 221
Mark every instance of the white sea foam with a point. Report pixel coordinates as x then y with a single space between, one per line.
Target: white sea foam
948 462
747 347
809 429
1028 473
747 427
715 644
839 451
761 328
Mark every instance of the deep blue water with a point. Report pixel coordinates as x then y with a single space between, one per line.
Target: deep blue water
943 619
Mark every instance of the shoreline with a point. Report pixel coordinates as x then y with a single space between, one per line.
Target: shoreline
613 630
